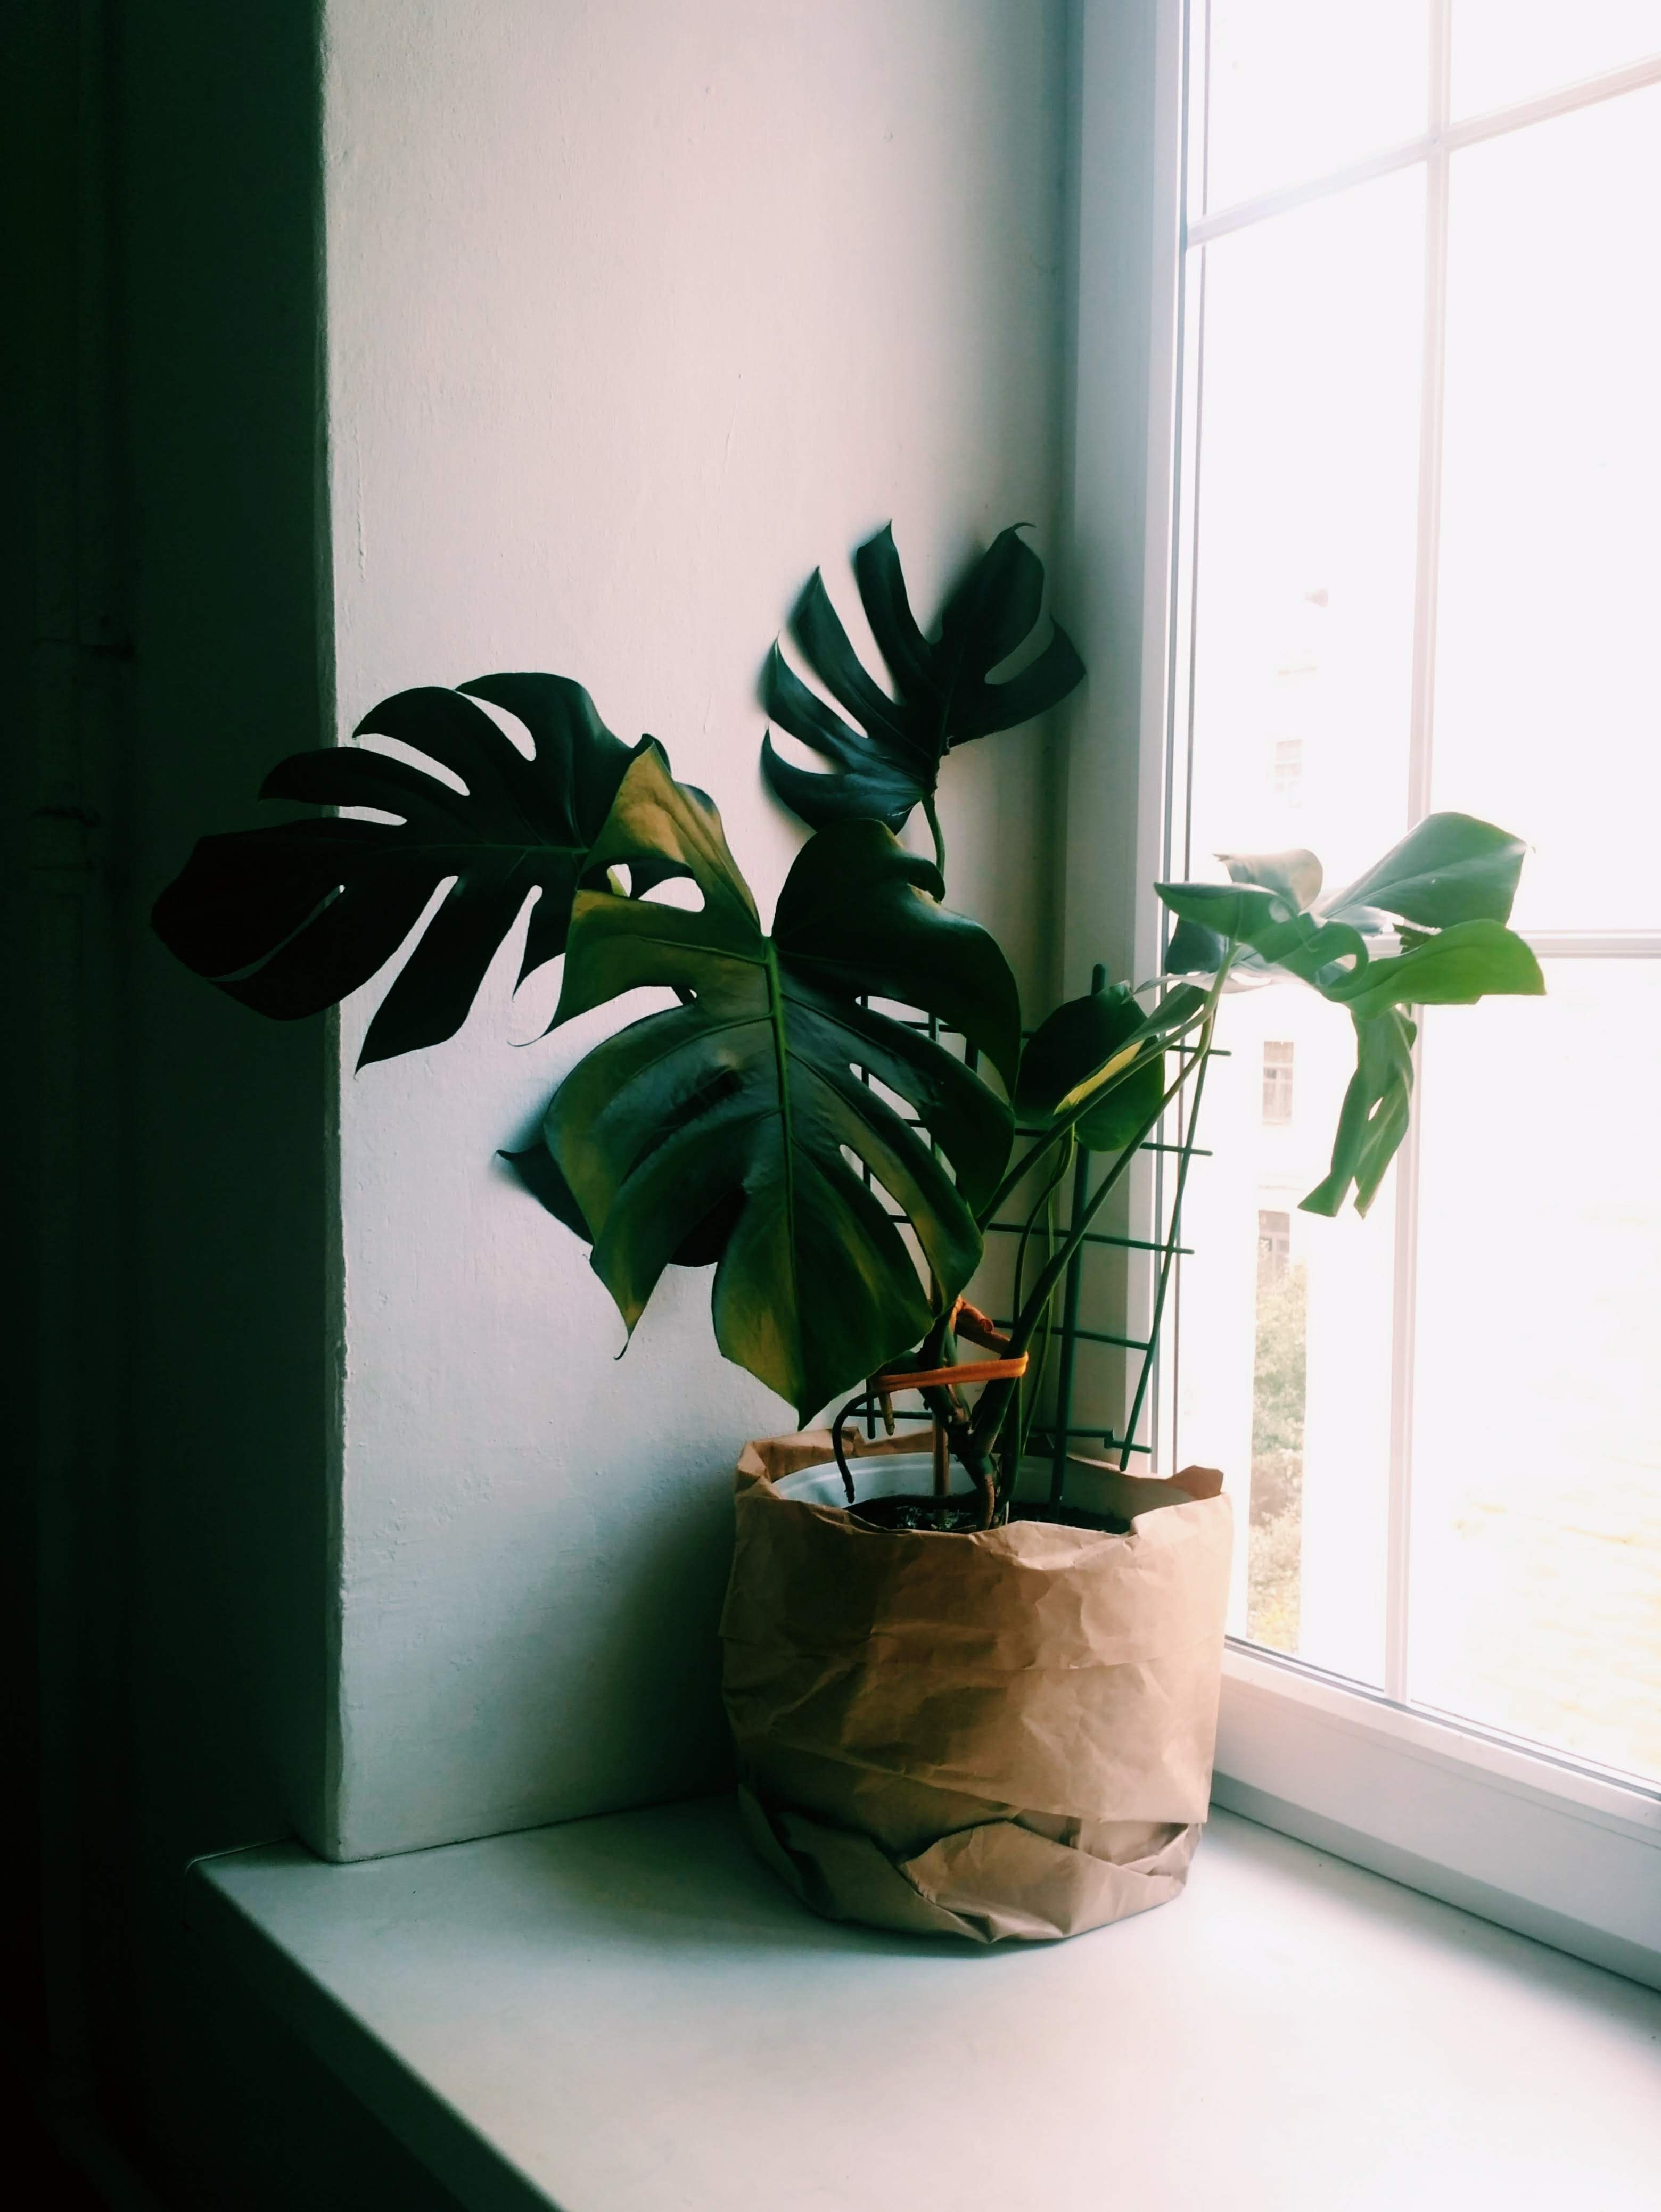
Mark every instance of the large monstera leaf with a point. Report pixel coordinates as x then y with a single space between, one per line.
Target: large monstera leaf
742 1117
881 768
1443 895
291 918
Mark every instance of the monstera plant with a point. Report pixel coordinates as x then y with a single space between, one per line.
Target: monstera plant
824 1110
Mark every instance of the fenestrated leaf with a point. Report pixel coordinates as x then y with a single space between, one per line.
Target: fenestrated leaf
888 758
750 1096
290 919
1373 1119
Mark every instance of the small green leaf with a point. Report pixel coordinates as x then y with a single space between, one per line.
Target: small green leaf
1131 1080
1224 910
1080 1042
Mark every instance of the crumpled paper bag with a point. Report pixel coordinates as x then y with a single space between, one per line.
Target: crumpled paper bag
1003 1734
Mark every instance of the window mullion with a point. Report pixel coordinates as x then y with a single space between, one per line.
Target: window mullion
1398 1538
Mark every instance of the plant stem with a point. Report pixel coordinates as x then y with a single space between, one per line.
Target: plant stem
1069 1335
1030 1388
934 821
1169 1254
1041 1205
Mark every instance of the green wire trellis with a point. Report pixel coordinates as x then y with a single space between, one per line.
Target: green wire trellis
1054 1436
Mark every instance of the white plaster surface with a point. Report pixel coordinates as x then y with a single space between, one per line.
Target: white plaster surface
638 311
629 2014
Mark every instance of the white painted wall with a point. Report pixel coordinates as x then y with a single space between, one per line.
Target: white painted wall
638 311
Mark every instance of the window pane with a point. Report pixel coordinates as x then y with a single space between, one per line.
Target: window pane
1300 88
1307 472
1548 679
1535 1586
1512 50
1284 1374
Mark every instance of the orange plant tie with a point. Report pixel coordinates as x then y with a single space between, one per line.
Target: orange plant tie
967 1371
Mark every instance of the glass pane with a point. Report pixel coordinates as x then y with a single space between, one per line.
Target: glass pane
1307 470
1284 1320
1512 50
1307 475
1549 678
1299 88
1535 1586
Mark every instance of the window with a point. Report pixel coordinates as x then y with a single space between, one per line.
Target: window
1417 564
1274 1248
1277 1085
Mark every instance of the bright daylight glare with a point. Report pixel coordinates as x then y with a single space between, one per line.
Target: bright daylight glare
1421 569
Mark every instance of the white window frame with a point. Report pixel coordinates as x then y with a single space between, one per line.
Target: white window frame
1542 1843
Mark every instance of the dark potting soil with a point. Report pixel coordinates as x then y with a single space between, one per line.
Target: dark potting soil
951 1517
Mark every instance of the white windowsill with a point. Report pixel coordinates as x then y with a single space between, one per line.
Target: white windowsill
1561 1853
627 2014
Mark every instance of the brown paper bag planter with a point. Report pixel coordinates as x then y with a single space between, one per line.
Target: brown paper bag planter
1007 1733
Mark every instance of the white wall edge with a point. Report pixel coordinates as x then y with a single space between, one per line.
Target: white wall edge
1119 496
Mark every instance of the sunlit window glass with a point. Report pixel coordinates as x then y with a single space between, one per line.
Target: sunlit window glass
1421 568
